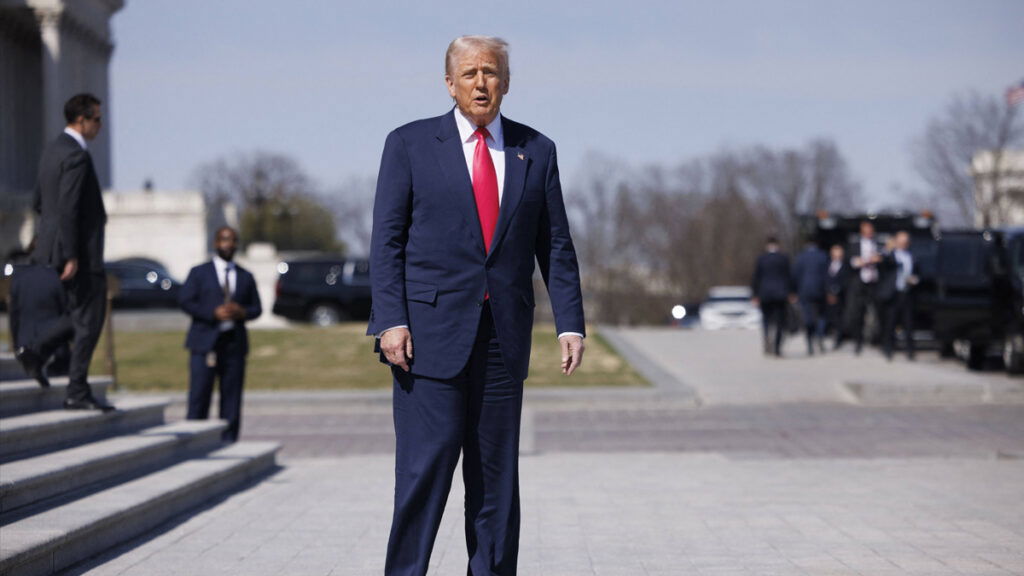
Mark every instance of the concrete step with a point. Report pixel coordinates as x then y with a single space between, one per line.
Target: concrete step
29 481
26 396
60 537
30 434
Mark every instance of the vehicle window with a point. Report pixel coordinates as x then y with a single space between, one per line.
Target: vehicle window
962 257
726 299
313 273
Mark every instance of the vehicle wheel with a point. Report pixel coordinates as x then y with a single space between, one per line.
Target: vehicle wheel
1013 353
976 357
325 314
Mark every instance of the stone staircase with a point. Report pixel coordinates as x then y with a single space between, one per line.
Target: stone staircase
74 484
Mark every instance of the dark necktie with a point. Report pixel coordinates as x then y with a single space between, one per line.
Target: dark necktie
227 284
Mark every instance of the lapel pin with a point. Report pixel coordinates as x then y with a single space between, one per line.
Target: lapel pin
521 157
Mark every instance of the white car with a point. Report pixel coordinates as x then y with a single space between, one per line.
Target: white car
729 307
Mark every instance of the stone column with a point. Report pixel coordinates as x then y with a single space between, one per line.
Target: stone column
53 105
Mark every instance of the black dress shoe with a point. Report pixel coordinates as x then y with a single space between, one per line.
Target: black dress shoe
32 364
87 404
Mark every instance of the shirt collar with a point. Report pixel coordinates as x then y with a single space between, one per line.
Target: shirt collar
221 263
467 129
78 137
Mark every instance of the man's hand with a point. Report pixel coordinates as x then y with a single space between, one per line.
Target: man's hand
70 269
222 313
572 353
396 344
235 311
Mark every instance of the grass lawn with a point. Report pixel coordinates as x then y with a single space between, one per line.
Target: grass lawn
333 358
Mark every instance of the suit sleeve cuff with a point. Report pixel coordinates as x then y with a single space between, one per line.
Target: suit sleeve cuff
570 334
382 332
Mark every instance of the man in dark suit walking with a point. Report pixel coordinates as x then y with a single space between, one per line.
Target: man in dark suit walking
221 297
70 237
466 203
864 260
896 294
810 271
772 286
837 284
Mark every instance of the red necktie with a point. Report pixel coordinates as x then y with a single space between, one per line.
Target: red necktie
485 187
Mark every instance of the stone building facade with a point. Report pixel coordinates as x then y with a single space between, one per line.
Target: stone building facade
998 189
49 51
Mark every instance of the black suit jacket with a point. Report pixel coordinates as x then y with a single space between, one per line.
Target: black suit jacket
203 293
772 281
69 203
837 283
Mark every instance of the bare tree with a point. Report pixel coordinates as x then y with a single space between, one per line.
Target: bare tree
943 154
277 201
352 205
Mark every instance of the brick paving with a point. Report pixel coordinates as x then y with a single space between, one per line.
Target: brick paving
752 467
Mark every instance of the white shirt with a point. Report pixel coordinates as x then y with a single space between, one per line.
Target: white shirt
78 137
495 145
868 272
225 268
904 270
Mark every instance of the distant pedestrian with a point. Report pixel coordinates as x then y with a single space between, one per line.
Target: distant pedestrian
70 238
810 271
837 284
864 260
221 297
771 286
896 293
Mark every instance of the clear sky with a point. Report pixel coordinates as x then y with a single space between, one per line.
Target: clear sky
648 81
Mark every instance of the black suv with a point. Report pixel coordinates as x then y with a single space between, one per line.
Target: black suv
980 295
323 291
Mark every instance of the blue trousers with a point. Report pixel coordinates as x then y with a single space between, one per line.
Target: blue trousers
478 414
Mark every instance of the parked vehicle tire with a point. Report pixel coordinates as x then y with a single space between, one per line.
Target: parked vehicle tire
1013 353
325 314
976 356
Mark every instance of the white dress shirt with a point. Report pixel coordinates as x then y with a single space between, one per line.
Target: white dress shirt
868 271
904 270
495 145
78 137
225 268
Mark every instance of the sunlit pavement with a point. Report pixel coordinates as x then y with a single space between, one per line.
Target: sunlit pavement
733 464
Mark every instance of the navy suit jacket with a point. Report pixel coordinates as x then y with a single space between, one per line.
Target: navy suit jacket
428 266
810 272
771 281
203 293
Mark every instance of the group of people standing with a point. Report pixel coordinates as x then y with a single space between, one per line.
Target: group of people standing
834 292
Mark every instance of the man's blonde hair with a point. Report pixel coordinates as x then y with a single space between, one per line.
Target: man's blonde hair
464 44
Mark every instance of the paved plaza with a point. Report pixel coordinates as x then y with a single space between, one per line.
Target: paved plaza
731 464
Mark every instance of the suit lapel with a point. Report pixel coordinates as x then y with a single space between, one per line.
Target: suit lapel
516 162
453 164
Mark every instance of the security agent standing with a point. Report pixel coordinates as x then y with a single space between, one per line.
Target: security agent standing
221 297
70 237
896 292
771 286
837 281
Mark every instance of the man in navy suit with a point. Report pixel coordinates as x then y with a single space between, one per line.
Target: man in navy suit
466 203
221 297
810 271
772 286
